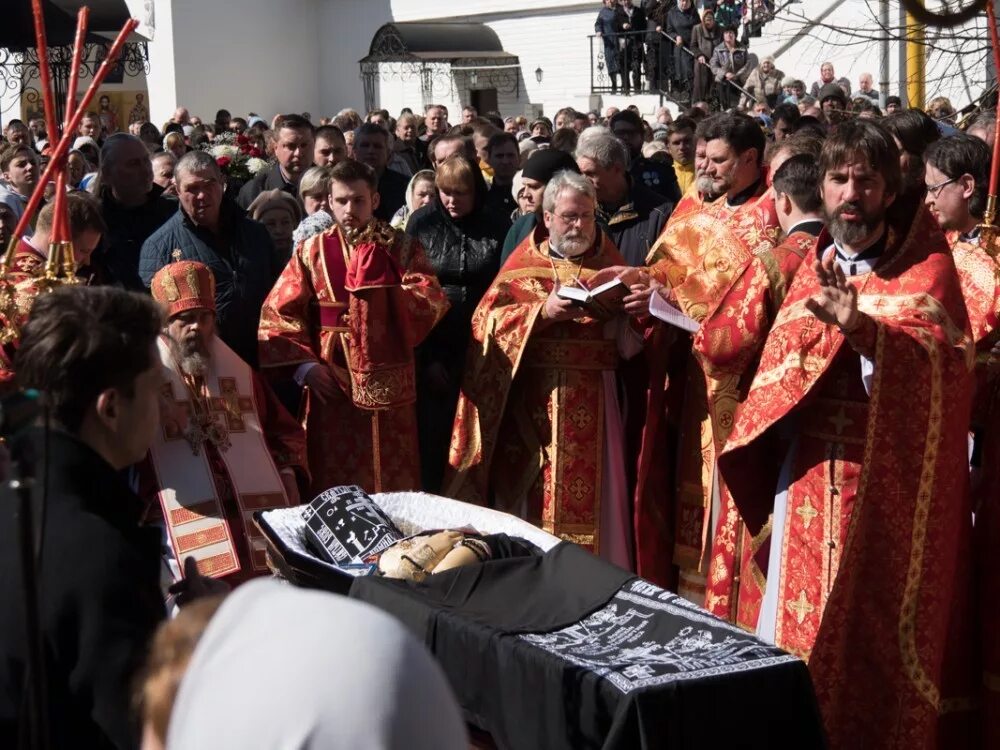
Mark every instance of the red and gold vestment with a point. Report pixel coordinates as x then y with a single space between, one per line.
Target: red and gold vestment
358 307
874 583
530 429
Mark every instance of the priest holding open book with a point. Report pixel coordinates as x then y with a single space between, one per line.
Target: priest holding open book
538 430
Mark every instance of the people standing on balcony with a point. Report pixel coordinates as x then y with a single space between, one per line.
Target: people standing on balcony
659 49
681 21
731 64
631 20
705 37
607 27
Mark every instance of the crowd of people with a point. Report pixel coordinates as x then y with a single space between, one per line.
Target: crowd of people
749 355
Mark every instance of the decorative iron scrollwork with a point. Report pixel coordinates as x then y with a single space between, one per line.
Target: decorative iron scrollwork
19 71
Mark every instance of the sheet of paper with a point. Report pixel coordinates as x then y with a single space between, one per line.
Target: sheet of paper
660 309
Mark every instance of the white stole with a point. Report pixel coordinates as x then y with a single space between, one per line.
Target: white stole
192 508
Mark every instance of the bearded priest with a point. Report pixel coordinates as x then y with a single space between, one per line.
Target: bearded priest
854 434
226 446
538 431
343 321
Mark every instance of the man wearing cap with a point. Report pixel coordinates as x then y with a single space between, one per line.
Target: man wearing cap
833 102
657 176
225 447
535 175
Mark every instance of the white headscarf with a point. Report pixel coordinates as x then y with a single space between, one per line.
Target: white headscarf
282 668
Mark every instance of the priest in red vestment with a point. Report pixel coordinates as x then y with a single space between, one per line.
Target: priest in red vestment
728 347
226 446
343 320
539 427
854 434
692 264
956 175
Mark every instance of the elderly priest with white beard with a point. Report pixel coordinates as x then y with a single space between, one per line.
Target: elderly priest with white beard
226 446
538 430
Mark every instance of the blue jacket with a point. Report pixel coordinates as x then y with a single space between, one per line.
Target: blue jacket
243 261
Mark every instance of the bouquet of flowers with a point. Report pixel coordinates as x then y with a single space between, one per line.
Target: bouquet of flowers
236 156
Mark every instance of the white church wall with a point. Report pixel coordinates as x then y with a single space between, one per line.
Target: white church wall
258 56
549 34
346 28
162 78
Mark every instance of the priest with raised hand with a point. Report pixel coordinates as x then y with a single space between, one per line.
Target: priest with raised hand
538 431
343 321
854 434
226 447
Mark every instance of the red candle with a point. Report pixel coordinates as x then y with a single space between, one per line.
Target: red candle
995 166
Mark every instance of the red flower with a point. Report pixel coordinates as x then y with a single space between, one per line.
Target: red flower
256 153
242 140
223 162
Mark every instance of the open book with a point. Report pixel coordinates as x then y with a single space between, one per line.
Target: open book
602 301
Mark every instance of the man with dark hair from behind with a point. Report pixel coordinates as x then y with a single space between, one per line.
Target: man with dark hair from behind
294 153
91 353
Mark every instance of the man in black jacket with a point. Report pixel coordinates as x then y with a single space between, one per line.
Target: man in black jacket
132 207
294 152
214 232
91 352
656 175
631 214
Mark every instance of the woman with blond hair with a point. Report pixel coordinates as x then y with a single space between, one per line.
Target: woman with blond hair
462 237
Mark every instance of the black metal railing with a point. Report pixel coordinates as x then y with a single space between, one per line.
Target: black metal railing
644 63
648 66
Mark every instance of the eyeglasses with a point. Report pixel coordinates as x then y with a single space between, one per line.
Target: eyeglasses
575 218
934 190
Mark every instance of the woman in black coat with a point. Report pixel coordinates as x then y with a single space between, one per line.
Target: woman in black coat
463 239
681 20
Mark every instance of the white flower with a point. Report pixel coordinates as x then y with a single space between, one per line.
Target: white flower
224 150
255 165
